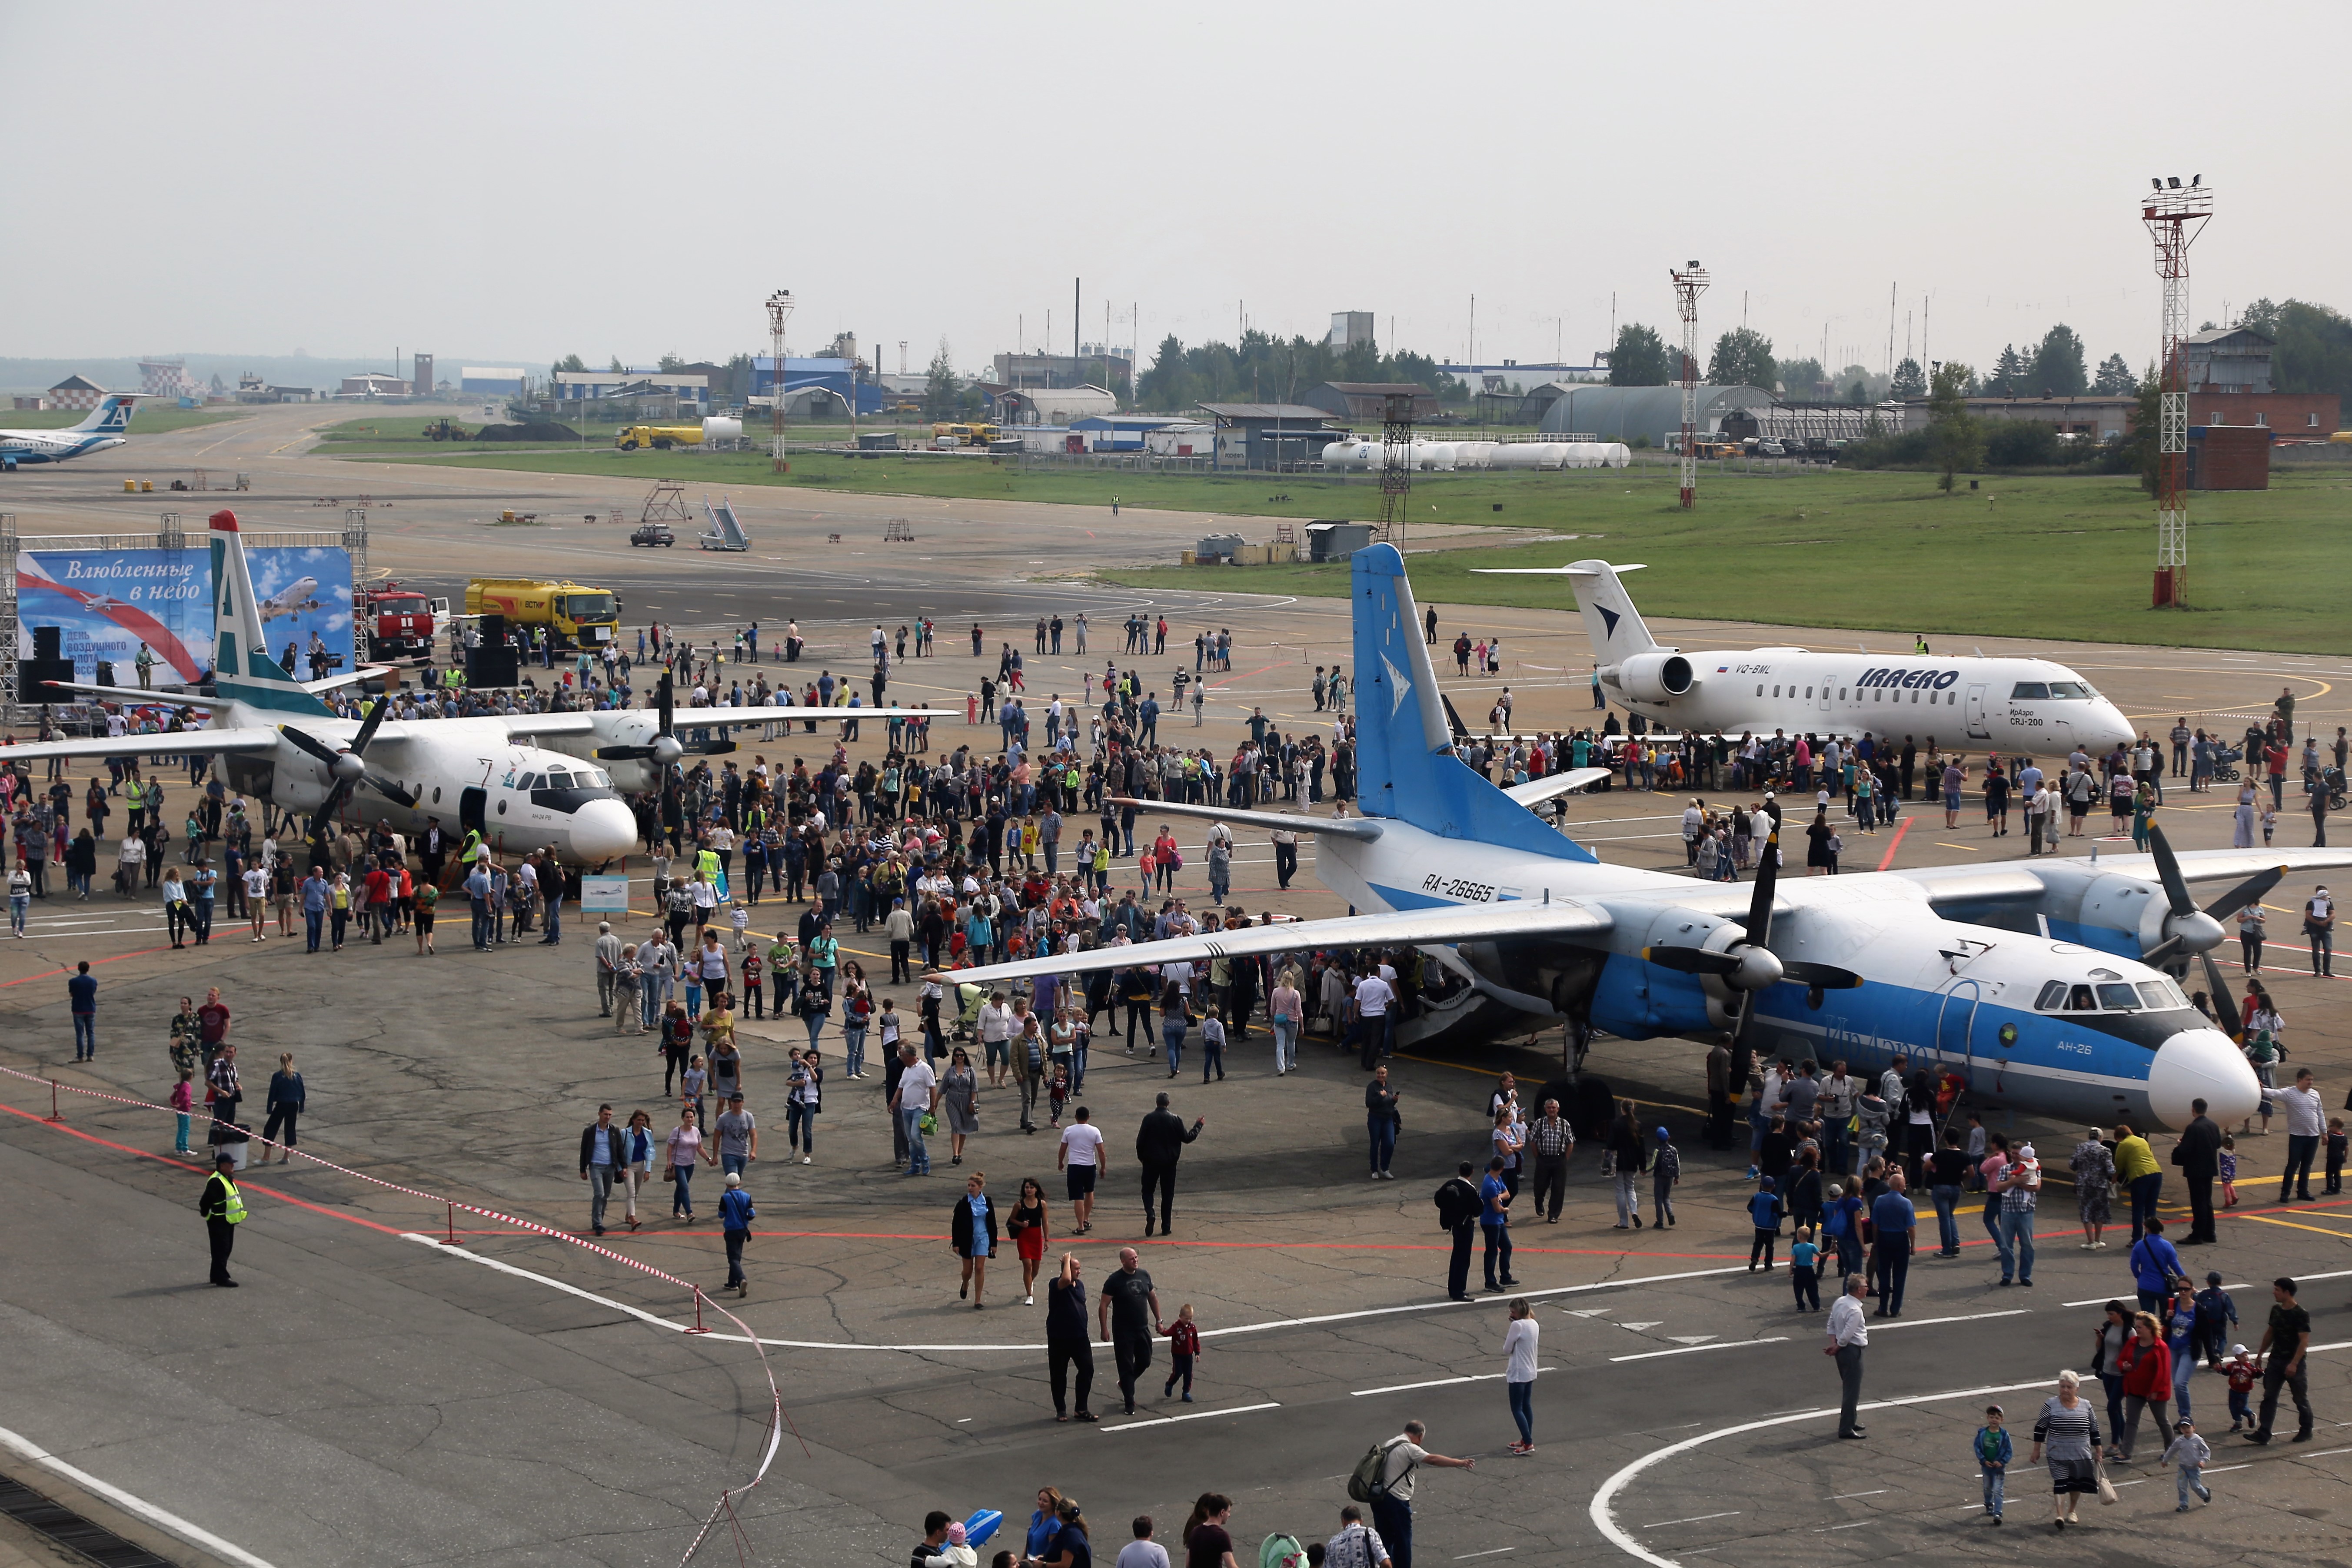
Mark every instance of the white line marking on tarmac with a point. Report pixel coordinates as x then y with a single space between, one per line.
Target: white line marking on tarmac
1491 1552
1693 1519
1881 1491
2240 1285
1969 1318
1192 1415
1692 1349
162 1518
1434 1382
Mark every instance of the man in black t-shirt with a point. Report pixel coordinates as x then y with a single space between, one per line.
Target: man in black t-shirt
1458 1211
2287 1341
931 1550
1128 1313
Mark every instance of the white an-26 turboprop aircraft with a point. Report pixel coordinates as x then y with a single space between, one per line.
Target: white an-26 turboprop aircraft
2011 705
280 743
2041 984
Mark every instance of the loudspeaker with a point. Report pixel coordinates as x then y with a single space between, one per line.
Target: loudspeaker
491 666
33 677
48 642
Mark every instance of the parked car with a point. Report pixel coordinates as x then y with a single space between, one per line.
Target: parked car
650 534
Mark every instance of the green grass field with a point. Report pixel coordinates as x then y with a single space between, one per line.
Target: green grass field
148 421
2065 558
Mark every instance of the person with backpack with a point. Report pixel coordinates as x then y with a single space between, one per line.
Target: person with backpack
1384 1477
1457 1214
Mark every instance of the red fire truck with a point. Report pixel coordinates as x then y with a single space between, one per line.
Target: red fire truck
399 623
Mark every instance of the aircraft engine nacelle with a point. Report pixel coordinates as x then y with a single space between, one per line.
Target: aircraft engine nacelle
1655 677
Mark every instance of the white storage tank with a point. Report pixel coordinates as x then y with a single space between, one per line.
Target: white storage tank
717 429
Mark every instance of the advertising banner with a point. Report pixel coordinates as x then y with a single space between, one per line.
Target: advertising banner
106 604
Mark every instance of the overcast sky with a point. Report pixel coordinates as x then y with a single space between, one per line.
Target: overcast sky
508 183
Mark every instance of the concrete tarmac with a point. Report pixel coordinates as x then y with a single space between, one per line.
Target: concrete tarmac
367 1398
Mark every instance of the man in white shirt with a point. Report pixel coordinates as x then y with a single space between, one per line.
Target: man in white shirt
2306 1127
1849 1332
918 1093
1375 1018
1081 1159
256 897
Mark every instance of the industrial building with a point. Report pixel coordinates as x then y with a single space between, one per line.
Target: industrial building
75 392
1051 405
1350 327
1363 402
1126 432
1282 435
815 388
581 386
1092 365
2228 457
1652 414
492 380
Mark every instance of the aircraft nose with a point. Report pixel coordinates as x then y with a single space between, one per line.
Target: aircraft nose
2201 1064
602 830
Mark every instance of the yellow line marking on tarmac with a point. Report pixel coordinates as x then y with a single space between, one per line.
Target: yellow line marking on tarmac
1947 844
2294 1225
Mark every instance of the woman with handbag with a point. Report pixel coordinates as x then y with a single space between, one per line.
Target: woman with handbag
2146 1364
973 1229
2069 1428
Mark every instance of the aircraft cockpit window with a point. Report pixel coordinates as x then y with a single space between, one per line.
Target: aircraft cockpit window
2081 1000
559 781
603 779
530 781
2118 995
2052 997
2075 689
2161 994
2028 691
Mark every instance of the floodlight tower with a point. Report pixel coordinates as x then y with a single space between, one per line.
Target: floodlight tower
2174 214
780 306
1689 284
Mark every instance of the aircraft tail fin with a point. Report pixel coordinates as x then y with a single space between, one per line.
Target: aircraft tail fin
1405 765
112 415
242 667
1616 628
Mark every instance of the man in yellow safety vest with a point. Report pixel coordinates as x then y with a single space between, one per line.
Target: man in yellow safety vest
223 1208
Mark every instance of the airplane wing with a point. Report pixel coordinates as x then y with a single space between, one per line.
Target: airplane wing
257 738
542 724
1536 790
347 677
1468 923
1363 828
136 696
1979 884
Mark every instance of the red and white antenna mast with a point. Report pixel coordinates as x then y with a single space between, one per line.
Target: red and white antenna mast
2175 214
1689 284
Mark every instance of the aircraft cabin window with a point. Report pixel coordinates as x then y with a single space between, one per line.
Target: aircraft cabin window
2052 997
2118 995
1841 693
2028 691
1759 688
1808 691
1776 691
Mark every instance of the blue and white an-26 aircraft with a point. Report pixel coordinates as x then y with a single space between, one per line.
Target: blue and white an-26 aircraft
2041 983
105 427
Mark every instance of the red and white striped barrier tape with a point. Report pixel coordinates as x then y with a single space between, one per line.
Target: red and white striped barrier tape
778 1419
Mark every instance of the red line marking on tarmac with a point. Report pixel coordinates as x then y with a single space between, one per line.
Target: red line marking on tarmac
94 963
1245 675
1897 842
199 1170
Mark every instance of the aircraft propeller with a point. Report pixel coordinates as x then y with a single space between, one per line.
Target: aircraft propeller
2189 929
665 747
1751 966
348 766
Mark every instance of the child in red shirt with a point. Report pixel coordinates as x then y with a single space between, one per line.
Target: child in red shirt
1183 1344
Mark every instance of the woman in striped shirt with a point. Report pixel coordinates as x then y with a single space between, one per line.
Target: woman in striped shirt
2070 1427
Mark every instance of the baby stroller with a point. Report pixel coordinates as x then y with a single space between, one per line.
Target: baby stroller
2225 761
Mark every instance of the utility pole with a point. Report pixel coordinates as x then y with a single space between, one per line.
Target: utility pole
780 306
2174 214
1689 284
